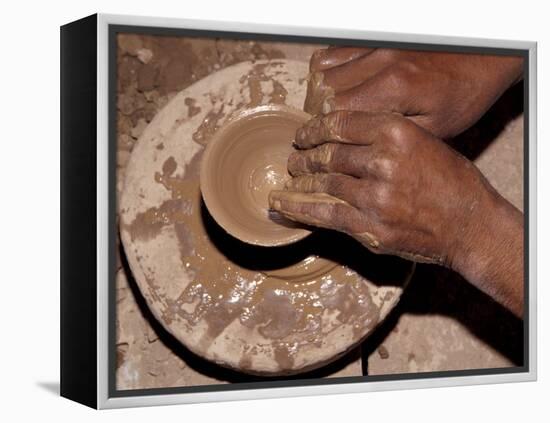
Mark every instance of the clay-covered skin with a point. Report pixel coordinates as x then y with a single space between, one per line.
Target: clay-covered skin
320 96
444 93
242 164
399 190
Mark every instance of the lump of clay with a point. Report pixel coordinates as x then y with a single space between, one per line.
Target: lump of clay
246 160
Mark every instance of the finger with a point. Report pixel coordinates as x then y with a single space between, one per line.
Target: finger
372 97
355 72
344 126
319 95
320 210
342 187
331 158
331 57
385 92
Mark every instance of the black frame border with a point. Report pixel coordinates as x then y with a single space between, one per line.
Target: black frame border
78 211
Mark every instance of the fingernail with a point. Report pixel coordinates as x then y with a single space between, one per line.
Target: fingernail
300 135
274 202
317 59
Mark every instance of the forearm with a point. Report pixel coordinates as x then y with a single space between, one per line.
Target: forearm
492 254
495 75
484 80
504 70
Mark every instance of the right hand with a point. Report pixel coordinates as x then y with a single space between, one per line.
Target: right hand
388 183
445 93
399 190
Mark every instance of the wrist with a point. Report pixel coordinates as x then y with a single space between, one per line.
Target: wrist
490 253
498 73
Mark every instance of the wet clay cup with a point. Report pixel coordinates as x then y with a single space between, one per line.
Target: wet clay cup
243 162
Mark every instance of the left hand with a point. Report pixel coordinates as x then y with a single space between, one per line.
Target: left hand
444 93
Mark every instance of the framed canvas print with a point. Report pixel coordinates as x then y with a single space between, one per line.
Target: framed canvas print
255 211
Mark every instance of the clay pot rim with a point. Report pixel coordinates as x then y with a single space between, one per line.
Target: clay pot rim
207 191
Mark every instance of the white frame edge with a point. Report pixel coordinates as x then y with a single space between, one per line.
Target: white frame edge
103 401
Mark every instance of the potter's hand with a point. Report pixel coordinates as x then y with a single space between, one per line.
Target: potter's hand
399 190
442 92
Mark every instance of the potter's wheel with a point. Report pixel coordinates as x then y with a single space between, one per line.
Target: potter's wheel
260 310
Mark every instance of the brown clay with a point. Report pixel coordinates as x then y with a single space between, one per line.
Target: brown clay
246 160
